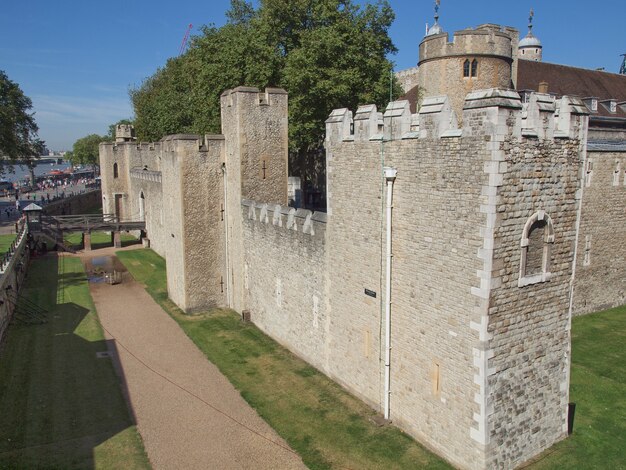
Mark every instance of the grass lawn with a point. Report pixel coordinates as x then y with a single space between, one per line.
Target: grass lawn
327 426
331 429
60 406
98 239
5 242
598 387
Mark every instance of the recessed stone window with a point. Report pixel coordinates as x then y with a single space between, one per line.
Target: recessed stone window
466 68
587 258
115 171
588 173
474 68
617 173
537 238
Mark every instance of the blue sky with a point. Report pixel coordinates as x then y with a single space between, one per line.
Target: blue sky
76 59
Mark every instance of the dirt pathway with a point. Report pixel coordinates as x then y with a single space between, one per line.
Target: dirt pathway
187 412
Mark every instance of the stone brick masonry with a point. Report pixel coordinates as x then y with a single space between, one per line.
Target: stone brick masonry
484 227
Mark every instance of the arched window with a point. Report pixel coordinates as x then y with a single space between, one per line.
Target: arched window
466 68
115 171
537 238
474 68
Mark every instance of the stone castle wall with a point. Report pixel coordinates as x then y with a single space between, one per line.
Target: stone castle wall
256 150
408 78
12 274
149 183
528 326
125 156
601 260
458 308
285 277
484 220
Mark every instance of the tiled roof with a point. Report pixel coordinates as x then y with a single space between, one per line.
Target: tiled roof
566 80
606 146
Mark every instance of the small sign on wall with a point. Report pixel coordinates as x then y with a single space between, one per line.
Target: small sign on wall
371 293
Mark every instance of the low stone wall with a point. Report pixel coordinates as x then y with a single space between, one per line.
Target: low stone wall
12 272
77 204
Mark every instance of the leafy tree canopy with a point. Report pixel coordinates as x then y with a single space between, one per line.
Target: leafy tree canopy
326 53
85 150
18 130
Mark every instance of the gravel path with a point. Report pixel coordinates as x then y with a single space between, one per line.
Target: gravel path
187 412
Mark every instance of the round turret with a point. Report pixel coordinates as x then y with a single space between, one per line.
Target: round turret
530 47
475 59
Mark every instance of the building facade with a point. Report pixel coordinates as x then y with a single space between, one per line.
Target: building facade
439 285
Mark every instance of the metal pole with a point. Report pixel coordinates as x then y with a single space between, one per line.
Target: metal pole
390 176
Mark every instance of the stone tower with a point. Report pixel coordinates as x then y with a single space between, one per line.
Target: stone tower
116 159
255 127
530 47
475 59
124 133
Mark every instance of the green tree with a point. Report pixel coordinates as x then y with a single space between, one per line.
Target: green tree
163 103
325 53
18 129
86 150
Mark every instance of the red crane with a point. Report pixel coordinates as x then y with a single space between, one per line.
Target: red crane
183 45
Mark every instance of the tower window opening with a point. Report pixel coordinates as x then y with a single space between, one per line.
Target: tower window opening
466 68
115 171
537 238
474 68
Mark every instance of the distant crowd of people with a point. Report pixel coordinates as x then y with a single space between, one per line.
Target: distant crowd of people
62 188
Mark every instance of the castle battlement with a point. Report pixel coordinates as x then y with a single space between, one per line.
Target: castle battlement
262 98
124 133
289 218
485 112
486 40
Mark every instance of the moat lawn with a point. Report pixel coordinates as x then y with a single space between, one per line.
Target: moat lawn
598 387
60 405
327 426
331 429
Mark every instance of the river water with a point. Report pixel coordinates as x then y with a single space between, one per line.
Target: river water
21 172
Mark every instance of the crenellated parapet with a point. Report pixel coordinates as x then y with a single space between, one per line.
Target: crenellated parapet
437 119
284 217
485 40
492 112
485 112
268 97
396 120
125 133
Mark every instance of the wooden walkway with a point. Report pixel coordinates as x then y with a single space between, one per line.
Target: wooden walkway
93 222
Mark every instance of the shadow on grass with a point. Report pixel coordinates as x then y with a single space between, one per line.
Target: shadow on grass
60 403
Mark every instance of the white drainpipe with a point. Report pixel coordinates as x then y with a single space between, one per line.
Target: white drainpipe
390 176
226 257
